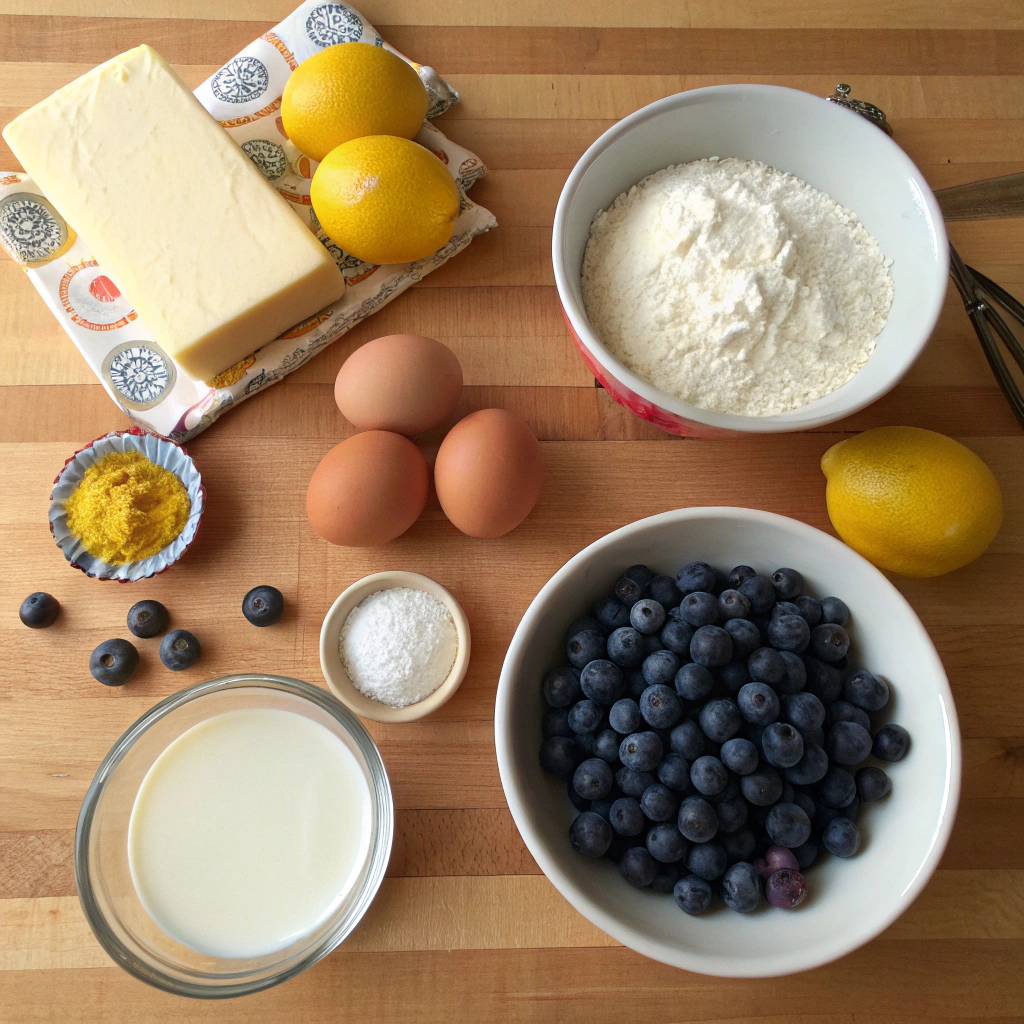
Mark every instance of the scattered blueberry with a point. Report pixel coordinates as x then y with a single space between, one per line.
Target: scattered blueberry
585 716
807 854
776 858
824 681
147 619
582 623
692 895
676 636
687 739
666 844
559 755
733 605
803 711
697 819
39 610
263 606
659 803
829 642
611 613
635 682
711 646
590 834
872 784
562 687
647 616
694 682
836 789
765 665
804 800
660 706
699 608
664 590
739 574
179 650
841 837
788 825
602 682
633 782
843 711
674 772
789 633
641 751
660 668
782 745
585 743
741 888
556 723
783 608
638 867
834 610
758 703
891 742
809 769
626 647
585 647
114 662
810 609
708 775
759 591
762 787
796 673
733 677
624 716
732 814
739 755
746 637
626 817
593 779
786 888
606 745
848 743
628 591
695 576
720 720
707 860
788 583
866 691
668 874
739 845
640 574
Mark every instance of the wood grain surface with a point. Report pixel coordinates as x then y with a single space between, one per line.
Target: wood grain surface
466 928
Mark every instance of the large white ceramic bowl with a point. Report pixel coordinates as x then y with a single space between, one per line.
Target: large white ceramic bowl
828 146
850 901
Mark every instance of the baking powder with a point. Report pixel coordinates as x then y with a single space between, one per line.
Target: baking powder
735 286
398 646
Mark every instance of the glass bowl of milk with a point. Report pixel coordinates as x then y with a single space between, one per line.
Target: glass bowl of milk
234 836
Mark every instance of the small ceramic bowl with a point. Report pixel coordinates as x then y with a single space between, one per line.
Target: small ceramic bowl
159 450
334 670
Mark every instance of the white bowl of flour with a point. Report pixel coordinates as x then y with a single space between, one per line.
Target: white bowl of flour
748 258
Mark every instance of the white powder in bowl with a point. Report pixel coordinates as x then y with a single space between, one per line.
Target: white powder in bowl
735 286
398 646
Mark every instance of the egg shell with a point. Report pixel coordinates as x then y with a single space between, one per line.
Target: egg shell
367 490
403 382
488 473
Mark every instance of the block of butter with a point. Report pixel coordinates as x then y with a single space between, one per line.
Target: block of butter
216 269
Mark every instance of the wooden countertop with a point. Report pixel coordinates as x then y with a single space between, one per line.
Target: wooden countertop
465 927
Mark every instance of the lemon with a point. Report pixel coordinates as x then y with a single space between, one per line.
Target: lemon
911 501
348 91
385 200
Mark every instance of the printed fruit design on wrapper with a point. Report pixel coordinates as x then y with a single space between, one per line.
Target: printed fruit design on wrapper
385 200
349 91
910 500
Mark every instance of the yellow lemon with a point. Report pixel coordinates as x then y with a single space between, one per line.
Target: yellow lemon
348 91
911 501
385 200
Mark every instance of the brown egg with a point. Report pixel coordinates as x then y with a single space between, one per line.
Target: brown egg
367 490
488 473
404 382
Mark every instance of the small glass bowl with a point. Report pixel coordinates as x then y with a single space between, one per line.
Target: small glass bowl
102 873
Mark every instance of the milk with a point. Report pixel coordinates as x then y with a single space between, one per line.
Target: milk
248 831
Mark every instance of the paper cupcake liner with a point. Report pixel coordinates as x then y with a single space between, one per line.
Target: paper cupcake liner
158 450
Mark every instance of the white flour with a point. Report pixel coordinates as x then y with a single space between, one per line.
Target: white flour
735 286
398 646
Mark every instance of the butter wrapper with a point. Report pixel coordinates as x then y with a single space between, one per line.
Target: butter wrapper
245 97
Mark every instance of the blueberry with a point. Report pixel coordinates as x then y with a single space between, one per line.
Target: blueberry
739 755
707 860
720 720
628 591
788 583
864 690
891 742
733 605
39 610
809 769
602 682
810 609
834 610
624 716
776 858
788 825
872 784
766 666
803 711
562 687
647 616
759 591
708 775
789 633
687 739
147 619
659 803
807 854
585 647
842 711
733 677
586 744
762 787
824 681
652 643
674 772
788 793
739 574
626 647
783 608
585 716
661 707
559 755
783 746
758 703
660 668
640 574
746 637
114 662
802 799
641 751
732 814
692 895
848 743
829 642
590 834
638 867
694 682
556 723
602 807
579 802
699 608
711 646
668 874
664 590
593 779
841 837
823 814
612 614
179 650
739 845
635 682
633 782
697 819
851 809
836 789
263 606
606 745
676 636
741 888
786 889
582 623
796 673
626 817
695 576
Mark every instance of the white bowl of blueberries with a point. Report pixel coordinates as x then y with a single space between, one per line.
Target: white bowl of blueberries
729 742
